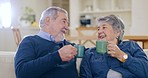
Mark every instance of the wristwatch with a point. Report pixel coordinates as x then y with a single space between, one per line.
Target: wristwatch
124 57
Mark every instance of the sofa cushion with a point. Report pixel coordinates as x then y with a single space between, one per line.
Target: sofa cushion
7 64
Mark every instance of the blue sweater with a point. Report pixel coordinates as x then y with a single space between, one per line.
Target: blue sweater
96 65
39 58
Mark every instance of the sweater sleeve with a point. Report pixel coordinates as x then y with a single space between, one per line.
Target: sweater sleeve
28 66
137 61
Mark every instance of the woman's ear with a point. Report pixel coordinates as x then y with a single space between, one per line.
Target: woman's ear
118 34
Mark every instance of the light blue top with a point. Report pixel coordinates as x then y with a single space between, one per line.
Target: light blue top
46 36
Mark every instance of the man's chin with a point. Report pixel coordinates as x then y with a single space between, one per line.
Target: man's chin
60 37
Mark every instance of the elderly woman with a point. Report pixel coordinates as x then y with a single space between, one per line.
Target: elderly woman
123 59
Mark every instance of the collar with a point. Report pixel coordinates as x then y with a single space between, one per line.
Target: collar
46 35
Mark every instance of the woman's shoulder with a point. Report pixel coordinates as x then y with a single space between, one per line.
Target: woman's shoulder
131 46
90 51
128 43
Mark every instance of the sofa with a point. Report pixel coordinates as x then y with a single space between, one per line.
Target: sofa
7 64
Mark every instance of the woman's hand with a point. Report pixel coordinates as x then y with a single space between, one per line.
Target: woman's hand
114 51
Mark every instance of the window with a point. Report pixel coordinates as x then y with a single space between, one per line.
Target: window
5 15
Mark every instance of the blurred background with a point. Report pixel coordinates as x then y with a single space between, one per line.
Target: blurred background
19 18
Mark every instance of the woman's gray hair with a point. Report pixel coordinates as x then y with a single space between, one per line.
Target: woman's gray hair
116 23
51 12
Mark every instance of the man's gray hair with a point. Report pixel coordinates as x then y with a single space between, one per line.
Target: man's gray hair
51 12
116 23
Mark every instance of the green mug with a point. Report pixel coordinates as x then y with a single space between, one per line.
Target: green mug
101 46
80 50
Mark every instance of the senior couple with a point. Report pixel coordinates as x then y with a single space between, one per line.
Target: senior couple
48 55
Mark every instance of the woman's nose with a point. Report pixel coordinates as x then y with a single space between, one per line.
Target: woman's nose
100 30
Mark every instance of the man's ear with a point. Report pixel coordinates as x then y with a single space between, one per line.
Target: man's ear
47 20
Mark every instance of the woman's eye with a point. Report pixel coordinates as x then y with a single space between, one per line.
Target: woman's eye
98 29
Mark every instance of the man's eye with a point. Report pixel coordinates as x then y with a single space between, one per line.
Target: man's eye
64 21
104 27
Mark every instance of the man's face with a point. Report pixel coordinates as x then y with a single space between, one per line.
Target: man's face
60 25
106 32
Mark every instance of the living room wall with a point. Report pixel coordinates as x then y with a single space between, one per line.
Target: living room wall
7 41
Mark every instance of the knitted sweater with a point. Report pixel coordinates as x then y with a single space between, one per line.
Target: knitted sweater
95 65
39 58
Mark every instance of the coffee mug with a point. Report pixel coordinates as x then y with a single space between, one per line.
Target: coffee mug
80 50
101 46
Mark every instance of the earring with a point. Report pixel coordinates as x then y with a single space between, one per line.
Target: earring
117 37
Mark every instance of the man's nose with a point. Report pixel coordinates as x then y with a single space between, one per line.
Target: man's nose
67 26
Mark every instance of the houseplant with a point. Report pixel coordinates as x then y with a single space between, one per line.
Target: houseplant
28 16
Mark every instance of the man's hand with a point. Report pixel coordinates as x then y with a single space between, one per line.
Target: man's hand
67 52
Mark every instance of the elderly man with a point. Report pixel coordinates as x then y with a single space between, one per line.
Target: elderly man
47 54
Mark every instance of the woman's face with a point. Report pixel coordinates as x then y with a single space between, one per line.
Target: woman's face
106 32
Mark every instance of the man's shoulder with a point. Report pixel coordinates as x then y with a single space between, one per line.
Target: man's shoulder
30 37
